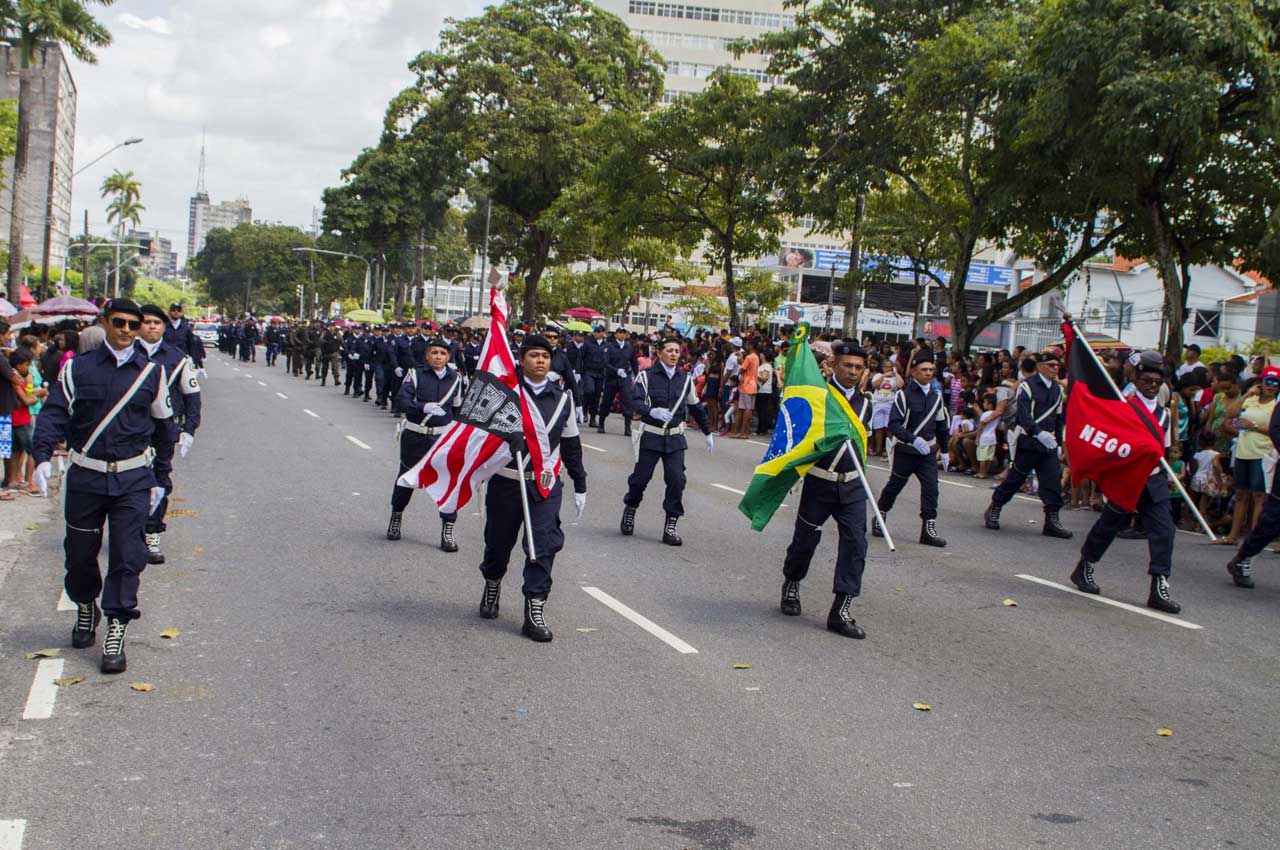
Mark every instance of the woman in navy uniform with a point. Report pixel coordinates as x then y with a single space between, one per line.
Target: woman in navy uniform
503 510
662 396
110 406
429 396
832 491
917 410
1153 507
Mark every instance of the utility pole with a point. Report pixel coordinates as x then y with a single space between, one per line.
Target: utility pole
855 270
484 260
301 306
84 273
48 235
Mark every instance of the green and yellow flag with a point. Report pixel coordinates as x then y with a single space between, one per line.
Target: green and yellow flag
813 419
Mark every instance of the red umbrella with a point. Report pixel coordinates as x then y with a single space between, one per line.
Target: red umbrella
583 313
25 298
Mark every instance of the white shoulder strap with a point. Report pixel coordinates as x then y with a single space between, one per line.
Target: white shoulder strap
115 411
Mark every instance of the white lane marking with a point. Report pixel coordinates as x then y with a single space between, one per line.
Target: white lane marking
11 832
594 448
364 446
1155 615
43 690
262 383
235 368
955 483
311 413
283 396
737 492
641 621
64 602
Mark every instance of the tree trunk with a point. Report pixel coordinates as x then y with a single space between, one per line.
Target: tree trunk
19 180
419 278
854 296
1175 310
537 264
962 336
730 292
915 315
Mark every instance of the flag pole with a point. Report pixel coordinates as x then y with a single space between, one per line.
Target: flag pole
524 505
871 499
1164 464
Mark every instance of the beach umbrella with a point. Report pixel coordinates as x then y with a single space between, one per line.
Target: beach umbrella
578 326
583 313
364 316
7 309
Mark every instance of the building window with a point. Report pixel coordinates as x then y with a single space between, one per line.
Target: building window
1206 323
764 20
1119 313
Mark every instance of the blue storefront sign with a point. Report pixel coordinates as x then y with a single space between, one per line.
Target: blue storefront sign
981 275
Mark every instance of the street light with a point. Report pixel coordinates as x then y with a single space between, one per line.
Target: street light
368 268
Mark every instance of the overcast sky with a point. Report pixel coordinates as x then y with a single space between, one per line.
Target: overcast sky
289 91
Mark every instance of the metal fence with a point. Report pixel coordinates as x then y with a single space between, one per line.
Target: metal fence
1034 334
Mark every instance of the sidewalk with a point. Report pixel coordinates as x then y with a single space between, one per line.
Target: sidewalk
23 519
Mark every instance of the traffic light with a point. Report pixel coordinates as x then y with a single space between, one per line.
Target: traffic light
297 290
144 247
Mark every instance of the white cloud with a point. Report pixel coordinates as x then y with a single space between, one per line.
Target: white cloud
286 109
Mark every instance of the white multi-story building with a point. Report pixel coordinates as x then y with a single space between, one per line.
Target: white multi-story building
206 216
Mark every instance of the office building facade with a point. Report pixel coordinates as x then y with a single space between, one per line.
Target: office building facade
206 216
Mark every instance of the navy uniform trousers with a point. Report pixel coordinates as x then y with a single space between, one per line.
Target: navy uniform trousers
672 475
505 518
355 377
1033 456
846 503
1267 529
125 515
907 463
1157 517
413 448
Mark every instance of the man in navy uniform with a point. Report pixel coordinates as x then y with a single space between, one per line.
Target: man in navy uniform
382 355
561 368
184 398
1041 416
574 351
274 340
620 365
356 353
470 353
663 396
1153 506
429 396
591 365
504 515
419 344
402 349
108 406
917 419
181 334
832 491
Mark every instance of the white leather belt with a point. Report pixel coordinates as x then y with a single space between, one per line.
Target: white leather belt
828 475
514 474
111 466
423 429
669 431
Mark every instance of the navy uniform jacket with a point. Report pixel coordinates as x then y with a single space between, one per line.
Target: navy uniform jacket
249 334
561 365
356 349
652 388
88 388
619 357
273 336
838 459
1035 400
422 386
562 435
404 352
184 389
910 407
183 337
419 345
592 362
471 357
381 352
574 352
455 355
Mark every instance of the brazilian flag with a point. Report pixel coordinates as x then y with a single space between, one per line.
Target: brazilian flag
813 419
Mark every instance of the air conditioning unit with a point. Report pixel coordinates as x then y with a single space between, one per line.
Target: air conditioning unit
1095 313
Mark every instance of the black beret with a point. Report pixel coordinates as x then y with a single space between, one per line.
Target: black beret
437 342
845 348
122 305
667 340
1151 361
922 356
175 306
551 329
534 341
154 310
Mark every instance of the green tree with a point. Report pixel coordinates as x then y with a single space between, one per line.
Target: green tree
764 290
253 268
33 25
518 89
123 208
701 309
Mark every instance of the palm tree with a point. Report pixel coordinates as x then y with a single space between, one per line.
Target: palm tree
30 25
124 192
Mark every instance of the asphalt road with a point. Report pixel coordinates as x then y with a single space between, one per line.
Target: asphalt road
330 689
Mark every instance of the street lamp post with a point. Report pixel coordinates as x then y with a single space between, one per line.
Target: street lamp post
368 268
452 283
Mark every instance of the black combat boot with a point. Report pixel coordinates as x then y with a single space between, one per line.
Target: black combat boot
447 542
791 598
929 534
1240 571
992 517
1082 577
393 527
1053 526
85 632
839 621
669 535
591 421
600 426
154 555
628 524
535 623
489 600
113 660
626 426
1159 598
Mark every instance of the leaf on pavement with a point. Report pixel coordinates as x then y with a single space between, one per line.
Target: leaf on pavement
1164 732
182 513
44 653
921 706
199 550
585 629
70 680
142 686
174 500
1009 603
170 633
742 667
33 526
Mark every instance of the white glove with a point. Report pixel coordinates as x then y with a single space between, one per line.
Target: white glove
157 493
184 443
368 367
553 376
399 372
432 409
1047 440
202 373
355 357
580 502
661 414
921 446
711 442
42 477
622 373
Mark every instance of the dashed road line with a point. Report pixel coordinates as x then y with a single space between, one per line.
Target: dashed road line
1133 609
43 691
311 413
64 602
364 446
262 383
738 492
594 448
11 832
283 396
642 621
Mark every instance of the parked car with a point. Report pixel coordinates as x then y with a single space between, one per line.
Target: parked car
207 332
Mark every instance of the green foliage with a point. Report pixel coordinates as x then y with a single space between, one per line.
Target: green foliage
701 309
765 289
1260 345
162 293
8 131
1214 354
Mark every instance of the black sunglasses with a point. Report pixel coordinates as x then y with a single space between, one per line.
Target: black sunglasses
119 324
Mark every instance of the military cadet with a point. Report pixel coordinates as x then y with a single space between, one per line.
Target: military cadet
356 350
620 366
592 362
1153 506
561 369
663 396
456 357
574 351
419 343
298 346
248 340
274 340
184 398
330 355
917 417
379 355
311 348
1268 526
107 406
556 423
470 353
517 340
1040 419
832 491
181 334
402 350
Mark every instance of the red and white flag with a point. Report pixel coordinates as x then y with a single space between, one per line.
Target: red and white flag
465 457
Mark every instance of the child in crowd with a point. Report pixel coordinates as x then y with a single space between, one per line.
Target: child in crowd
987 424
957 452
1210 482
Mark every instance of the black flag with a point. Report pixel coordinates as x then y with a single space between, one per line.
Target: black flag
492 406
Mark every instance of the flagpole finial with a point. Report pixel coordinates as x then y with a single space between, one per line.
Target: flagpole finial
801 333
